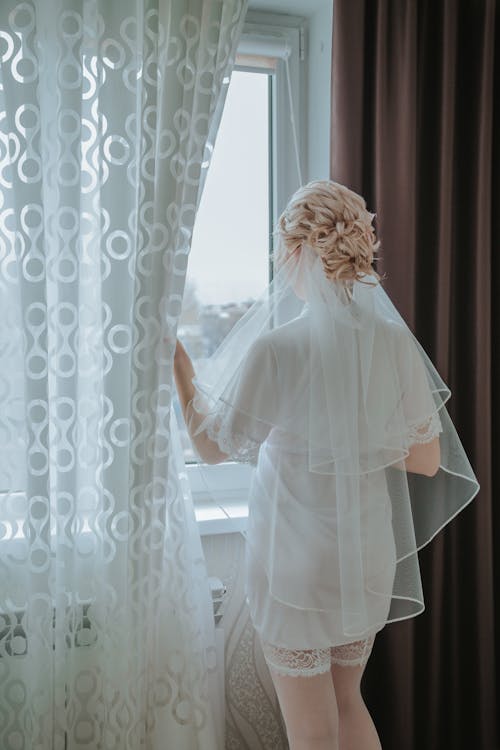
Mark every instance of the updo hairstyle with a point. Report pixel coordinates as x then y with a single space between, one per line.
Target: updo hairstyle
335 223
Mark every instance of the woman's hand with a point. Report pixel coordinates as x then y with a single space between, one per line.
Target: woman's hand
180 355
207 449
184 374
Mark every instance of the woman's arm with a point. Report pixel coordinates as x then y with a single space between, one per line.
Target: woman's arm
424 458
424 448
184 373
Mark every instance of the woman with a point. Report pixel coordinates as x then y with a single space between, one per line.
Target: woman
324 390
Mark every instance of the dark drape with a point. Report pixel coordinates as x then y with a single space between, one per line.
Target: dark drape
415 130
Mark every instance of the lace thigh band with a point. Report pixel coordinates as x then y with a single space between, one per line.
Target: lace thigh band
309 662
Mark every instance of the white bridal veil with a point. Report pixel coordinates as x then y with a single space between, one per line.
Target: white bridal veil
331 379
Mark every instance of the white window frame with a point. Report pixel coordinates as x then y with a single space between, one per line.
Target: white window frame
266 41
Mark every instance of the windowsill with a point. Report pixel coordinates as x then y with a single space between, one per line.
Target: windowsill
212 519
220 496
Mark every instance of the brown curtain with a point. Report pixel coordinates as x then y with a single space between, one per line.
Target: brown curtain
415 130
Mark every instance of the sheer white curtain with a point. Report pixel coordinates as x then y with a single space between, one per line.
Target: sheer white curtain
108 113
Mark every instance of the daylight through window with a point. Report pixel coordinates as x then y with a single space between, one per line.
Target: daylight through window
229 259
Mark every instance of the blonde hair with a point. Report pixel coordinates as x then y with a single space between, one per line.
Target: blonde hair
335 223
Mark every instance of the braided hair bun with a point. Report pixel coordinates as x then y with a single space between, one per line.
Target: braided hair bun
335 223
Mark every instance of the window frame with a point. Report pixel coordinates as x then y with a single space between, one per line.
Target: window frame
231 480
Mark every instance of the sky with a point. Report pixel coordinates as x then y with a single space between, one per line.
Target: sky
228 261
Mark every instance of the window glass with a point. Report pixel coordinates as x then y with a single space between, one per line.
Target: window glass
228 264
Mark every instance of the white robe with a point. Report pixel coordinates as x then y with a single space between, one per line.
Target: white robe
292 511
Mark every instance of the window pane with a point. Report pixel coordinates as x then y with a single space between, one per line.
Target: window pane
229 259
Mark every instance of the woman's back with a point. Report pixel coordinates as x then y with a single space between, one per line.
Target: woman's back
335 409
293 399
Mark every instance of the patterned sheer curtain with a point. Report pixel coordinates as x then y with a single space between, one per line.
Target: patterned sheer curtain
108 114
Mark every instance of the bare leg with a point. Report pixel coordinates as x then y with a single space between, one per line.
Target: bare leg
309 709
356 728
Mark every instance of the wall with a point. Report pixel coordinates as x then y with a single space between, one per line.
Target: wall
319 80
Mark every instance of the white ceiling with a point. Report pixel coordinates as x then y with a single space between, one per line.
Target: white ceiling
294 7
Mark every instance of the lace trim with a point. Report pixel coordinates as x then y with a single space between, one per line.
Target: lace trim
241 448
295 662
310 662
424 432
353 654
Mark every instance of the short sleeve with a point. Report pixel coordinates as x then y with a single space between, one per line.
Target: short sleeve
244 414
419 406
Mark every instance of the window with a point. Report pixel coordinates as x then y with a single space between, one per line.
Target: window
252 173
232 225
